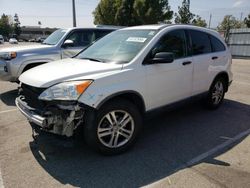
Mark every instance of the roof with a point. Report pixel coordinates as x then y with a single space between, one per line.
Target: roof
162 26
154 27
92 28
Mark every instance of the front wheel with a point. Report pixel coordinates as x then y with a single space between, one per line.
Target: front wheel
216 94
113 128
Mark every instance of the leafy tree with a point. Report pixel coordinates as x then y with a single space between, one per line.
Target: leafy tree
198 21
125 13
184 15
247 21
16 26
5 25
105 12
230 22
152 11
132 12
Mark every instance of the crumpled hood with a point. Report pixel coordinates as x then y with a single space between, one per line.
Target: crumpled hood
63 70
25 48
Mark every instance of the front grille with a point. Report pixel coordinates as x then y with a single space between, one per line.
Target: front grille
31 95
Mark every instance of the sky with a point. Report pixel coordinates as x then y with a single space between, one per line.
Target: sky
58 13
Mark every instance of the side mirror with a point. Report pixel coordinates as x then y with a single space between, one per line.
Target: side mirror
68 43
162 57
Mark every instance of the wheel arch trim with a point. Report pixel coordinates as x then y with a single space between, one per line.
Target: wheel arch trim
120 93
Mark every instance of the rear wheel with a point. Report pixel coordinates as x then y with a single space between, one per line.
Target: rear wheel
113 128
216 94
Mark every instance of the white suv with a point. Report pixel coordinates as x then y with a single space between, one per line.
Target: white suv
111 84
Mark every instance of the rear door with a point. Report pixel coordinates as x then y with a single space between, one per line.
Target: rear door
201 50
170 82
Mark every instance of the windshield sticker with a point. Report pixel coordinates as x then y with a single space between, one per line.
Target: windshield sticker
136 39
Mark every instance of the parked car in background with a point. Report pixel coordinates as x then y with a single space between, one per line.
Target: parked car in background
1 39
13 41
109 86
40 39
62 43
32 40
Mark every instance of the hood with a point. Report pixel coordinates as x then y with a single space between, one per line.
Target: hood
64 70
25 48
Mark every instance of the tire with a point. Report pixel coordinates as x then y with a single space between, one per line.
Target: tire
107 137
216 94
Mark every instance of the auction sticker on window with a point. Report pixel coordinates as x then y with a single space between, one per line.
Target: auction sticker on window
136 39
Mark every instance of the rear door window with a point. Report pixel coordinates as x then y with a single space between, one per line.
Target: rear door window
81 38
101 33
200 42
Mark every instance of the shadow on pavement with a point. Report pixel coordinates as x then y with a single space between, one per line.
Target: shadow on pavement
168 141
8 98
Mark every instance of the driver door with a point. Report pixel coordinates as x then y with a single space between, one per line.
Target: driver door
170 82
81 39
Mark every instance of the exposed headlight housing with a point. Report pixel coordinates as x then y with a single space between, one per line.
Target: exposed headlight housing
65 91
8 55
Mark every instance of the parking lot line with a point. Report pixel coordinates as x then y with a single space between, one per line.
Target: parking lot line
218 148
203 156
1 180
5 111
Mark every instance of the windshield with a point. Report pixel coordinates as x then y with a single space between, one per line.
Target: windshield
120 46
55 37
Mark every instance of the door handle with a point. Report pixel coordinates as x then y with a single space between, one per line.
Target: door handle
214 58
186 63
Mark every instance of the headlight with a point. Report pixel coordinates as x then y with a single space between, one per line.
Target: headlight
65 91
8 55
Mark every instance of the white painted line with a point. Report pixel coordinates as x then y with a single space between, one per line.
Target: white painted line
217 148
1 180
6 111
206 154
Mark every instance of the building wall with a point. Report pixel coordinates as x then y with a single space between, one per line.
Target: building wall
239 42
35 32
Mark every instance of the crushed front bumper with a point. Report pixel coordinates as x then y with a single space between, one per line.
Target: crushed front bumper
29 112
61 119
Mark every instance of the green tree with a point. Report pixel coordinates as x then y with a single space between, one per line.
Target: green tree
5 25
152 11
247 21
184 16
105 12
198 21
230 22
132 12
125 13
16 26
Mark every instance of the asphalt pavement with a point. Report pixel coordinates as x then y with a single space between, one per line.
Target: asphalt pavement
188 146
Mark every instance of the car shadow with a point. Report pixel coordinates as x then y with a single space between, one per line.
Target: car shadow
168 141
8 98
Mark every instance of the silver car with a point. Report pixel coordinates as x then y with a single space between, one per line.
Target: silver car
1 39
63 43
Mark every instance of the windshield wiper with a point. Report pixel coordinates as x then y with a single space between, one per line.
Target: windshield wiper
92 59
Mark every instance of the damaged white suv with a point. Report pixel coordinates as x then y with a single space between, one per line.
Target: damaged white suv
111 84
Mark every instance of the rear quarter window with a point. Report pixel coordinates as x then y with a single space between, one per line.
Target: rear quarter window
217 45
